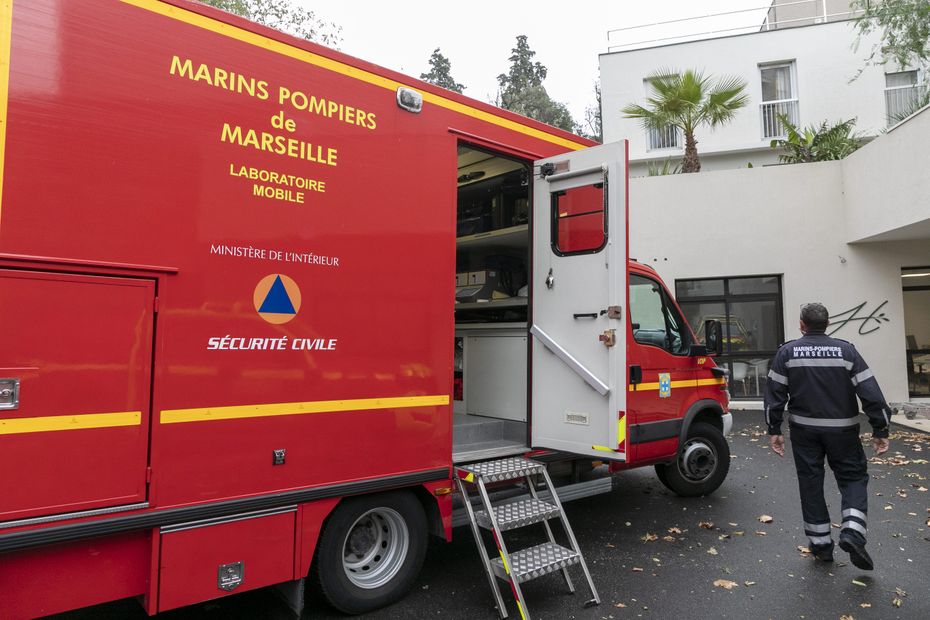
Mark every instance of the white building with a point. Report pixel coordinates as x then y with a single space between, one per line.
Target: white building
749 246
807 73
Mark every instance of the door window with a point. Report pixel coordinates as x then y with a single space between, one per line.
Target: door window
579 222
655 320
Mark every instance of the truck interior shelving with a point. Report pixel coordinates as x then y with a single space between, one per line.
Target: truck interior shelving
492 305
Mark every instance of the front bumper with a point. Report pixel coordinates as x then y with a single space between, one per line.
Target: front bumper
727 423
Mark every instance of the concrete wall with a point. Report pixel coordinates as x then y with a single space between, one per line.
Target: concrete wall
899 160
785 220
824 62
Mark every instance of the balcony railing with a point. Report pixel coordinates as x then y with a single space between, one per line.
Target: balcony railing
772 127
664 138
901 101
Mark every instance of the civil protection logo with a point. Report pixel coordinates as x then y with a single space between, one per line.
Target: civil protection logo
276 298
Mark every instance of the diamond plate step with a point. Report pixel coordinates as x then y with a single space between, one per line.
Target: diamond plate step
501 469
518 514
535 562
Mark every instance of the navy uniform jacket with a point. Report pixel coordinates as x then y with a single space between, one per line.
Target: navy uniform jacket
818 379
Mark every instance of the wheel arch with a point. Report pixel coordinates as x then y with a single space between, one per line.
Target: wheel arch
704 410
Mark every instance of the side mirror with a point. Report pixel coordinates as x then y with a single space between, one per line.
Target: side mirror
713 337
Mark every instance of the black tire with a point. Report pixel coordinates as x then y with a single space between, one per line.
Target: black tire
371 551
702 464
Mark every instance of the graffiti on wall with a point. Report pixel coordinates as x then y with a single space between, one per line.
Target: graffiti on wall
867 323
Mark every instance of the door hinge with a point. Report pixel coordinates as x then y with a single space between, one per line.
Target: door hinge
148 474
609 337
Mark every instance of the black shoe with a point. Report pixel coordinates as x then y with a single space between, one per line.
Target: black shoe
857 554
824 553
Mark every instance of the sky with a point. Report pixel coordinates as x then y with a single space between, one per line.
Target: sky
478 36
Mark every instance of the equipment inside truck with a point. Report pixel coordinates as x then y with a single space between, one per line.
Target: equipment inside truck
491 290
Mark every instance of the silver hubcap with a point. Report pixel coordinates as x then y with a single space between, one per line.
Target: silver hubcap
698 460
375 548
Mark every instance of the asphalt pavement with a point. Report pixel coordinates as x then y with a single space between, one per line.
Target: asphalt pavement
740 553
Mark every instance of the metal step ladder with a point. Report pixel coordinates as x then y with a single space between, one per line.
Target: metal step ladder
519 566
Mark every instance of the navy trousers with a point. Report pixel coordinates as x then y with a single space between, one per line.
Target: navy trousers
844 453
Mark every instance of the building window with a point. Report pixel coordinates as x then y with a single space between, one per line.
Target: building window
779 99
904 94
662 137
750 309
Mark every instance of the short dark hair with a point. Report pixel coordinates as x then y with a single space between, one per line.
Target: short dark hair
815 316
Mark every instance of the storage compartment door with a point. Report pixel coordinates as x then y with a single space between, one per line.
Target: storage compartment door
77 350
579 376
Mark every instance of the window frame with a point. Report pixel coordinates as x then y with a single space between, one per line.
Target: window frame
554 220
793 102
727 299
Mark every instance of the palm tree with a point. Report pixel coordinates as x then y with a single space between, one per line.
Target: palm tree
688 100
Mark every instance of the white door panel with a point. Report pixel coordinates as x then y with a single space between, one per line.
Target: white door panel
579 301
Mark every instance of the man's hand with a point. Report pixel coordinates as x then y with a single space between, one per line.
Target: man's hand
880 445
777 442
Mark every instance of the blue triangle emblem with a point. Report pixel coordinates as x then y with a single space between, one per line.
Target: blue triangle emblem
277 300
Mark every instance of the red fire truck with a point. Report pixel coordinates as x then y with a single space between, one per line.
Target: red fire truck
259 300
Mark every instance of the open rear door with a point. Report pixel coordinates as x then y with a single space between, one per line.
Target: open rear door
579 375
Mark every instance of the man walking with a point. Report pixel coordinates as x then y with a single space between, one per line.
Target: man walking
818 378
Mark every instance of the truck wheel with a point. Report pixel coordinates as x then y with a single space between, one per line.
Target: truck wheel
371 551
702 464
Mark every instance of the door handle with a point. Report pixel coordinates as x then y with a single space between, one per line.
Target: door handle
585 315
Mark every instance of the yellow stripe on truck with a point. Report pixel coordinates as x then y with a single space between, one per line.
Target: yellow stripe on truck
238 412
233 32
70 422
6 34
688 383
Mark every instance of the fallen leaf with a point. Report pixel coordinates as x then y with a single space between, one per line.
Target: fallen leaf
889 507
726 584
723 537
859 583
707 525
804 550
637 569
749 583
649 537
902 493
733 524
900 592
765 519
610 546
847 617
897 602
620 605
669 538
865 605
712 551
674 530
922 489
739 533
760 533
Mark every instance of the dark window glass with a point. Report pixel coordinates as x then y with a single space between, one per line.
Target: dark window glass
580 225
750 312
698 288
753 286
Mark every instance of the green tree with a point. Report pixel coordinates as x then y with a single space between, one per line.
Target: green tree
904 25
824 143
286 16
689 100
440 73
522 91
